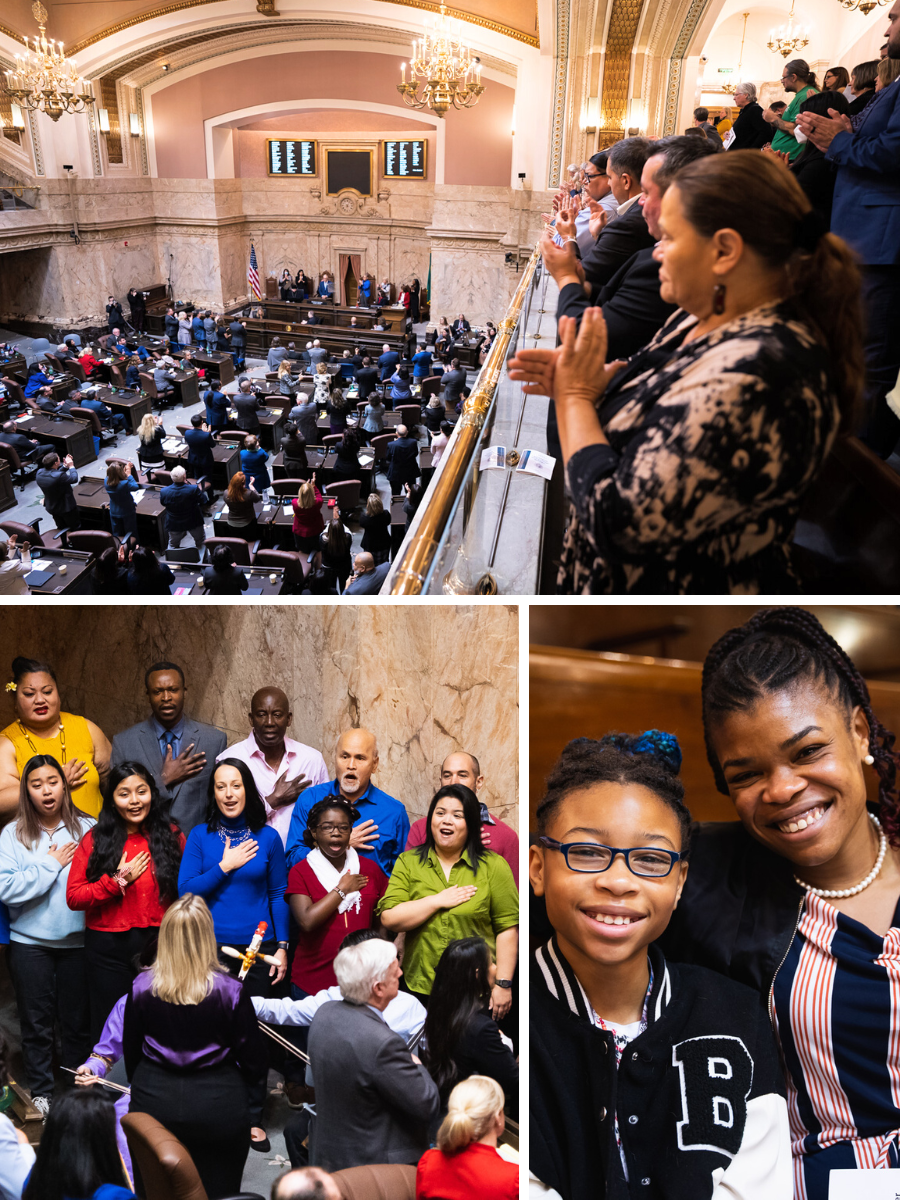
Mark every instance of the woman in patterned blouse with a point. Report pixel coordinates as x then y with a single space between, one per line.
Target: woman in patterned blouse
687 465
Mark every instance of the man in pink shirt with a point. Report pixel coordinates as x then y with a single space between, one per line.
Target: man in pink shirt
281 767
463 768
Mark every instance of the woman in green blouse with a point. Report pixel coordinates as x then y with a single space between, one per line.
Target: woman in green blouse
453 887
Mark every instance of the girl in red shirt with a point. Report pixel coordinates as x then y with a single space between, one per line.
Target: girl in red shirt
124 876
332 892
466 1162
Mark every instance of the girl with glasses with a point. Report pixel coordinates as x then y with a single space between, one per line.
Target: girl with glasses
648 1080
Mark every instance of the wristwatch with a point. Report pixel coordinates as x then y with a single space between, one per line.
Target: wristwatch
504 983
282 945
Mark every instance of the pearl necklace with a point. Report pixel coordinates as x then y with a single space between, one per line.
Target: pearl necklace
843 893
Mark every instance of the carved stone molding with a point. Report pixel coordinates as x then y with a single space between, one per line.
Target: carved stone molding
557 127
676 62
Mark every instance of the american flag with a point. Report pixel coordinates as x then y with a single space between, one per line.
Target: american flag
253 276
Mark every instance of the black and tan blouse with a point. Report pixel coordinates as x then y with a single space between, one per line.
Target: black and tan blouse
712 445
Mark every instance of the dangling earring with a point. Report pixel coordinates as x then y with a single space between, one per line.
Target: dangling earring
719 299
869 760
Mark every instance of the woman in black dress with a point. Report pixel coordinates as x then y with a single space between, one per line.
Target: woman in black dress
138 309
346 464
689 474
284 284
376 525
335 545
414 291
293 450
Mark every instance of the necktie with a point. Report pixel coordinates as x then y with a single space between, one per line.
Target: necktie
169 739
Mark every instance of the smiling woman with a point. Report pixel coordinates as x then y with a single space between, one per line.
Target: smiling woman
805 890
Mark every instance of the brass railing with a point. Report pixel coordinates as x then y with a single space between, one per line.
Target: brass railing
439 504
18 188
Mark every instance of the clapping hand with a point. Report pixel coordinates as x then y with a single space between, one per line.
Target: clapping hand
599 218
560 261
565 223
822 131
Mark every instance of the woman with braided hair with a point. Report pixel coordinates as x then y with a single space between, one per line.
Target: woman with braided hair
649 1081
801 897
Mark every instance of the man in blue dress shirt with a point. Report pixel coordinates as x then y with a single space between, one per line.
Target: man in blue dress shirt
383 827
422 363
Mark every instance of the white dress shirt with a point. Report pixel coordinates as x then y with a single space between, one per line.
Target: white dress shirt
405 1014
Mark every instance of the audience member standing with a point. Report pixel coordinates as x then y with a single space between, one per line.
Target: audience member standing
374 1099
138 307
124 875
281 767
78 1155
796 77
466 1162
253 464
241 500
40 727
383 828
332 892
114 318
866 214
192 1048
308 519
182 501
46 952
402 460
376 526
452 887
55 480
120 483
235 862
179 752
335 547
293 452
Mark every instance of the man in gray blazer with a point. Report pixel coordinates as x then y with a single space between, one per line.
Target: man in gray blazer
374 1099
179 752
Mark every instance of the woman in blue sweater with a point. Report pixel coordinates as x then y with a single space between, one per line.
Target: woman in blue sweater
236 863
120 483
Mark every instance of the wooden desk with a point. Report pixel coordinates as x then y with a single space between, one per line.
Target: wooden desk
7 490
93 503
330 314
398 525
264 512
226 459
315 456
187 387
271 428
215 362
186 575
151 515
66 435
132 405
466 352
76 579
15 365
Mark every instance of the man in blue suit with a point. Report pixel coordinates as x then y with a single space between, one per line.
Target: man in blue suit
182 501
388 361
866 214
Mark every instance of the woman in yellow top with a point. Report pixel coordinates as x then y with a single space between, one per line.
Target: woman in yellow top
41 728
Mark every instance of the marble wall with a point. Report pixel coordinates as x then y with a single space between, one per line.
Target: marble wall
427 680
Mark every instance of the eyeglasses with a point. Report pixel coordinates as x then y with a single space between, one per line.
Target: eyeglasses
326 827
590 858
598 175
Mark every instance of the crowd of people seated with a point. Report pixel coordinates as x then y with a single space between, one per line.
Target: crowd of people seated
128 863
708 354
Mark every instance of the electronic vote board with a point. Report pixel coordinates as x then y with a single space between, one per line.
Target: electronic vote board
285 157
404 160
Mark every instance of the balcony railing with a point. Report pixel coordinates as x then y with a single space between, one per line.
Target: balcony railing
457 543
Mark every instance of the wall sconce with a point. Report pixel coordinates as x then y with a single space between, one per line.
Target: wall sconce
591 114
513 126
103 119
18 117
637 113
134 124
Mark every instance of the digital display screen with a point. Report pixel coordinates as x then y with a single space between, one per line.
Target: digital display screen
404 160
291 158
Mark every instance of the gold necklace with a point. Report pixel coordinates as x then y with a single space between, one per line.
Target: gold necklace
33 748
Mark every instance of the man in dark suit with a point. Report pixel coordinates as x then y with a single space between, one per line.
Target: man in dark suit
388 361
55 480
114 316
751 131
374 1099
311 319
247 403
217 405
866 213
366 379
115 421
171 326
200 443
238 332
453 381
317 353
460 327
179 753
28 449
182 501
402 460
366 579
627 232
702 121
632 306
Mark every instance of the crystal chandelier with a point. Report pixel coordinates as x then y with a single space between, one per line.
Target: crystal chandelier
863 6
730 88
44 78
451 75
787 40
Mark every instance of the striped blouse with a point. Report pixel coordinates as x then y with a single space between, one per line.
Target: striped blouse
836 1011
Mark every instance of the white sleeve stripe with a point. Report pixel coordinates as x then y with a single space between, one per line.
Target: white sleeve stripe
762 1167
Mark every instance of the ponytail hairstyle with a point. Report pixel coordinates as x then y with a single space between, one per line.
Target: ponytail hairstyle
472 1109
822 280
651 760
771 652
800 68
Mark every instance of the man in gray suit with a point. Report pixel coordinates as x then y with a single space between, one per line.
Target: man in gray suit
374 1099
179 752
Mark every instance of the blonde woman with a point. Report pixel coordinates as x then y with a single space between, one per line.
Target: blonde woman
466 1162
192 1045
286 382
150 439
308 519
322 384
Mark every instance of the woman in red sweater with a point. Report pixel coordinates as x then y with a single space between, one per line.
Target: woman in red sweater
308 519
466 1162
124 876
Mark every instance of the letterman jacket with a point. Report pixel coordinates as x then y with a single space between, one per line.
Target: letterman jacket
699 1094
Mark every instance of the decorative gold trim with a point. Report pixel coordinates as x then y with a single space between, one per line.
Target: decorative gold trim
130 22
